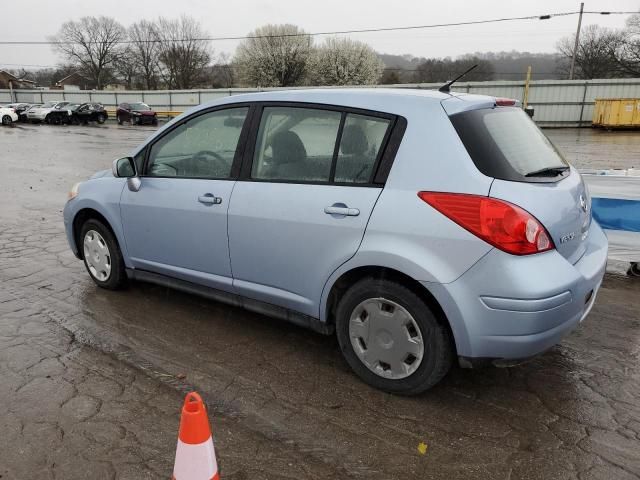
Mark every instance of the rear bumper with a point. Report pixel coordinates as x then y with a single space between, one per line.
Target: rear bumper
507 308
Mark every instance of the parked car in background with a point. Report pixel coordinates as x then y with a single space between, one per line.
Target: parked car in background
8 116
22 114
137 113
41 113
75 114
421 227
19 108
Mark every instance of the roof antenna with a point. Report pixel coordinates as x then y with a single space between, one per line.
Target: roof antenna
446 88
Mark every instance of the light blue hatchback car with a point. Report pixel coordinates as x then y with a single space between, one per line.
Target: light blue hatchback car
419 226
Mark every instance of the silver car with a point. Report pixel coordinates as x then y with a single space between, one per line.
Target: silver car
421 227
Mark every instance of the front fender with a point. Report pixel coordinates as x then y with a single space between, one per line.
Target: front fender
103 196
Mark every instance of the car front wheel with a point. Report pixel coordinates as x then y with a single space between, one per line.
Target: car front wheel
102 256
101 119
7 120
391 338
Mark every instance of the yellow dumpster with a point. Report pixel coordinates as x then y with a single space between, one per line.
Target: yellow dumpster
617 112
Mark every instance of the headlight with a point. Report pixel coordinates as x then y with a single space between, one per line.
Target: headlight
73 193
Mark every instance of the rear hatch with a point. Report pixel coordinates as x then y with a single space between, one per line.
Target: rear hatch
504 143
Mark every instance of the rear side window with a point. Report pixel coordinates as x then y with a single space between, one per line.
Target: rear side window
505 143
360 146
295 144
299 144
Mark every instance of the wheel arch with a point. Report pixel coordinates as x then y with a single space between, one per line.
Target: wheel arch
80 218
347 278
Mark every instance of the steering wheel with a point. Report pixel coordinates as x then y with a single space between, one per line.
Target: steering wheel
202 164
207 153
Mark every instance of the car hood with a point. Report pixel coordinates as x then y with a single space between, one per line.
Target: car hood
101 174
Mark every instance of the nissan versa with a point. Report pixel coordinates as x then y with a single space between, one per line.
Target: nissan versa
421 227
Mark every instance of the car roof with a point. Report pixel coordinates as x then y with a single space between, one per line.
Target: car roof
390 100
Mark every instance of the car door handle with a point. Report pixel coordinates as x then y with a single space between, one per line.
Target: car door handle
209 199
336 210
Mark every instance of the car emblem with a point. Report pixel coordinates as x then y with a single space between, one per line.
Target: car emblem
583 204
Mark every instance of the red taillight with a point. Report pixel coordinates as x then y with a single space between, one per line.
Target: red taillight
502 224
505 102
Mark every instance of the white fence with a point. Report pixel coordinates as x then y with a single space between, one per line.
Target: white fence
556 102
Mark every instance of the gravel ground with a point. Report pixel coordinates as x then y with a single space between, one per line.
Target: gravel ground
92 380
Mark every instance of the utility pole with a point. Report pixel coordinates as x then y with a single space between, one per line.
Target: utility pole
575 47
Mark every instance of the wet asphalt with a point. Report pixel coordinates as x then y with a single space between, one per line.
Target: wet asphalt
91 381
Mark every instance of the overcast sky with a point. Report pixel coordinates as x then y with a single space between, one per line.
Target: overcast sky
37 19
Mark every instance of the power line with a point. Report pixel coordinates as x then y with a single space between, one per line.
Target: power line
335 32
232 67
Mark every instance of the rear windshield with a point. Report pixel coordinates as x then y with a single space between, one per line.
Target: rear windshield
505 143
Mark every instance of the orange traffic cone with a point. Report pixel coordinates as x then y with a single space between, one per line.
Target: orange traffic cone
195 456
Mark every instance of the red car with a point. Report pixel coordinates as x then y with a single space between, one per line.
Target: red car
137 113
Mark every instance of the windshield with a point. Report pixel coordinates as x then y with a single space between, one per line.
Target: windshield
505 143
140 107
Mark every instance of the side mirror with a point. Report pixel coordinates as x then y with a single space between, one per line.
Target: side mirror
124 167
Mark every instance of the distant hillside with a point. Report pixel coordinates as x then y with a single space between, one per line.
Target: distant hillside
506 65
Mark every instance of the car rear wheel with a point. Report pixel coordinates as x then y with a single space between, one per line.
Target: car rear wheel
102 256
7 120
634 270
391 338
101 119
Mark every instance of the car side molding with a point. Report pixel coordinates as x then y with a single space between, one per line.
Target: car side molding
236 300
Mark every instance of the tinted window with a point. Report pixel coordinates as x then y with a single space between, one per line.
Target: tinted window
295 144
360 146
140 107
505 143
203 147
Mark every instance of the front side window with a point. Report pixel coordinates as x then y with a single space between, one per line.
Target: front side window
295 144
360 146
203 147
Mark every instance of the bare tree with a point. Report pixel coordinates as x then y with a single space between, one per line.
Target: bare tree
595 57
342 61
145 49
435 70
184 52
222 73
93 44
390 76
627 55
274 56
126 68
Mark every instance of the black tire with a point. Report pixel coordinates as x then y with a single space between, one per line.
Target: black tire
118 276
154 122
438 351
7 120
101 119
47 119
634 269
119 118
